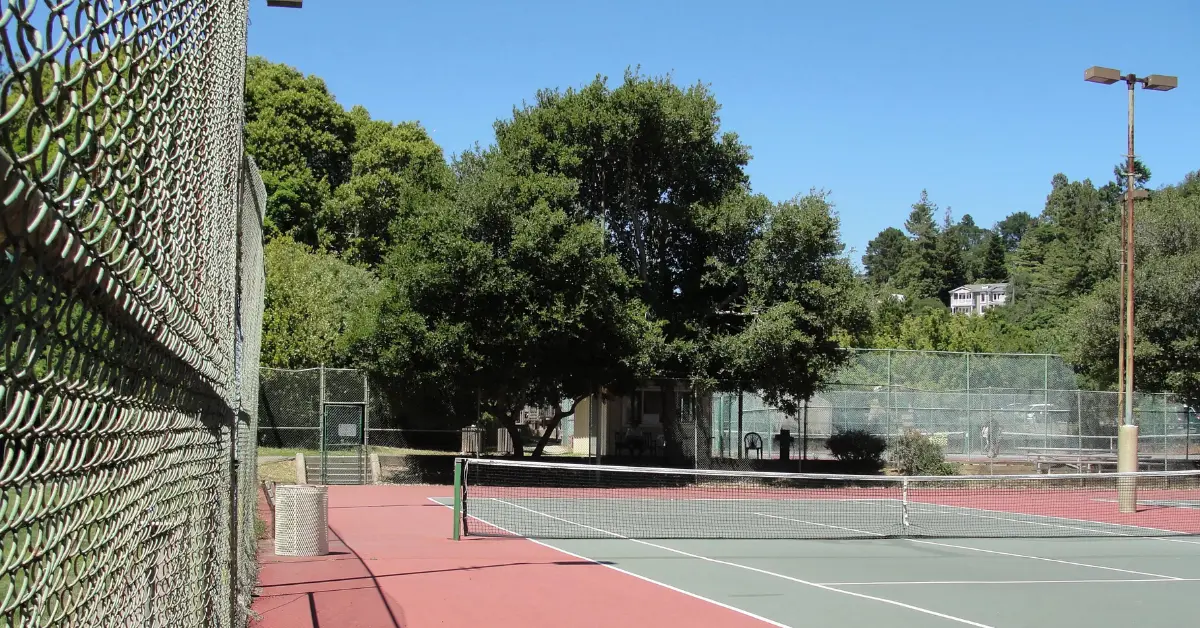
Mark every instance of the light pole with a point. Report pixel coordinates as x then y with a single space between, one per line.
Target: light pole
1127 432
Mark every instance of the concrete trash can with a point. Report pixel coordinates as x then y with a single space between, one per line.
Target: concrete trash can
472 441
301 520
504 444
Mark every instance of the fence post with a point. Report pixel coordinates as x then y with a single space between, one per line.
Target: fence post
741 435
1079 417
804 448
1046 398
887 416
366 412
321 422
967 436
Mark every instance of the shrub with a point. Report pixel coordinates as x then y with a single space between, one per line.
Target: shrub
916 454
859 450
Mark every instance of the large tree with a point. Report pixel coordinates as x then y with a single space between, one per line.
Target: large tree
503 295
1013 228
301 139
1061 257
804 304
312 300
921 274
991 264
1167 296
655 169
395 168
884 255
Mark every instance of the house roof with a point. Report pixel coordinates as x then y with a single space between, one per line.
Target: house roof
982 287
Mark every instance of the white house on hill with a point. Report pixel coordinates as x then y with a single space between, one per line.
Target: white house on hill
977 298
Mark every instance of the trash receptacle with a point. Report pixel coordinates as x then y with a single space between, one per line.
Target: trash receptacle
504 444
472 440
301 520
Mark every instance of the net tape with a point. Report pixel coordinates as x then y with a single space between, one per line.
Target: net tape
132 282
558 500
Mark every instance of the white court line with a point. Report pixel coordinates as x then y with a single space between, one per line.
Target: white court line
1042 558
958 510
822 525
754 569
988 551
628 573
1093 581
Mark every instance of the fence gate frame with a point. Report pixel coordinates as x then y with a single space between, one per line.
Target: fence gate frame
358 449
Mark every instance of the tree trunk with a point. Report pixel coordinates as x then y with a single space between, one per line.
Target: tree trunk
545 438
559 415
510 423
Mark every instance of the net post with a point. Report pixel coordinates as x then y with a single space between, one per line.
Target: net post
904 503
459 463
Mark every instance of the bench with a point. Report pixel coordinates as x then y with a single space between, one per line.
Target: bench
1083 460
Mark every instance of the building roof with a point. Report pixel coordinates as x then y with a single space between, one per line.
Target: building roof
982 287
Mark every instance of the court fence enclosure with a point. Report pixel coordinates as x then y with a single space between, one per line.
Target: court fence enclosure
977 406
300 410
132 275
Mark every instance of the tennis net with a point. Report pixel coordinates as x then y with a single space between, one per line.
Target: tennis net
566 500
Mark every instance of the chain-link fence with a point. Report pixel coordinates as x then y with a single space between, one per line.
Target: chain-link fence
132 282
976 406
291 402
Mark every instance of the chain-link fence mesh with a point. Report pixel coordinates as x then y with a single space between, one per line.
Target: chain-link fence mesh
291 402
132 282
976 406
290 405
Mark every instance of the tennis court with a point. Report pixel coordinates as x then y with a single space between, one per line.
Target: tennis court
794 551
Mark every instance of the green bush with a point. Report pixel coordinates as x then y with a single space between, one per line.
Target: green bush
915 454
859 450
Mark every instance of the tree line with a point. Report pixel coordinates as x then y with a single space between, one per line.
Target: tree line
609 234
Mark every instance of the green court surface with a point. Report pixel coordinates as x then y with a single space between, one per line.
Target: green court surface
1119 577
925 582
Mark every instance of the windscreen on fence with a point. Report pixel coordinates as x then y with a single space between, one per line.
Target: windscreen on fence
132 275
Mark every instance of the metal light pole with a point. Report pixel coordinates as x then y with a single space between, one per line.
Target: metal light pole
1127 432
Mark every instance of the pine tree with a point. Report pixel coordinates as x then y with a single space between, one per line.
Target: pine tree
993 268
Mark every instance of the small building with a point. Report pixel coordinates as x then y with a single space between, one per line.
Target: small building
977 298
617 419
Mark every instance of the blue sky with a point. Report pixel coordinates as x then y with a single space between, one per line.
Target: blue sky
980 103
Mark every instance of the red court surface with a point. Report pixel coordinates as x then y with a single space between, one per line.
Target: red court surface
392 564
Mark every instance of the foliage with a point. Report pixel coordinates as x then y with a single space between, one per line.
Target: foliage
992 263
859 449
1012 229
481 280
915 454
312 300
1167 296
501 294
921 273
743 290
807 302
396 169
301 139
884 255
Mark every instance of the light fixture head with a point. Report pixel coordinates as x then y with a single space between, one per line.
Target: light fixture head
1161 82
1104 76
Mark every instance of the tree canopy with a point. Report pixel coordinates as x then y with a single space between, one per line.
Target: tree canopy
610 235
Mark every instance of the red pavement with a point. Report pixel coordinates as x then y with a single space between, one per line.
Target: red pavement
392 564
